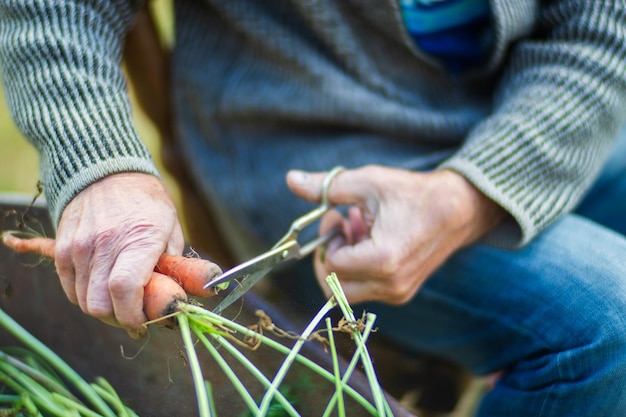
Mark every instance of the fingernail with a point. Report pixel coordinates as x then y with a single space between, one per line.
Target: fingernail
299 177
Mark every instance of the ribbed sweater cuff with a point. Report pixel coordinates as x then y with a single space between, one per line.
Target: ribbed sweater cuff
517 228
88 175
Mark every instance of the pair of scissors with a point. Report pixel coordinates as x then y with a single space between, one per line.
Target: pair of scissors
287 248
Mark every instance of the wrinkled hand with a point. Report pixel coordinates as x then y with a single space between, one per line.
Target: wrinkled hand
109 239
401 226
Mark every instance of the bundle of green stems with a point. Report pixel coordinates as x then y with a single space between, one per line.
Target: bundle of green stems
37 382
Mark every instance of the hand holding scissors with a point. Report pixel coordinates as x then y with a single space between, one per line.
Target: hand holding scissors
287 248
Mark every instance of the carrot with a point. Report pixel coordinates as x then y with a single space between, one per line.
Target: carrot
39 245
189 273
160 296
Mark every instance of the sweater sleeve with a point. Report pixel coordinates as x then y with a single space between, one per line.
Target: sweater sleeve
558 108
60 66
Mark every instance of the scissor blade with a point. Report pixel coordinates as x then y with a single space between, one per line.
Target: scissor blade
267 260
241 289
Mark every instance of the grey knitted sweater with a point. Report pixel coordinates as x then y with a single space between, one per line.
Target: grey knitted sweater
531 128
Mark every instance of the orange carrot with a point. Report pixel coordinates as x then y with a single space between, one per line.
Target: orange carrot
38 245
160 296
189 273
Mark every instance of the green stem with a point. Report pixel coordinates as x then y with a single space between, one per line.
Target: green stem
209 390
194 364
217 319
21 383
291 357
78 408
368 366
35 374
9 398
338 382
106 391
351 366
370 373
241 389
254 371
29 405
47 354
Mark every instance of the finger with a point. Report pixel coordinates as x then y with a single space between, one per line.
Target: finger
348 187
133 333
176 242
83 261
65 269
354 229
321 273
360 292
351 253
331 220
110 321
360 261
137 333
96 300
129 275
359 225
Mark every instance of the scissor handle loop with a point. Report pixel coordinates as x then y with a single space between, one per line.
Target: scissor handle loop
286 248
326 185
325 205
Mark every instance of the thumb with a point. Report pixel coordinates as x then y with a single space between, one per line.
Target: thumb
348 187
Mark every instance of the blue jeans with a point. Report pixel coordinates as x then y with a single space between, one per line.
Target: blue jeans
551 316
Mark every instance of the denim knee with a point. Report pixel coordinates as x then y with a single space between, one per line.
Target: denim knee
585 379
549 318
577 363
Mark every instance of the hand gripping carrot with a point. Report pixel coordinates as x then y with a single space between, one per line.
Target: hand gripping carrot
173 279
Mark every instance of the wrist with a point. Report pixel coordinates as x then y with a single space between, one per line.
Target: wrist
476 212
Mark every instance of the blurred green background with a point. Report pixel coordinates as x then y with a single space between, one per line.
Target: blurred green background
19 171
18 160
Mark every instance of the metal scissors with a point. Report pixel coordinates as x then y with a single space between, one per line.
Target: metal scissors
287 248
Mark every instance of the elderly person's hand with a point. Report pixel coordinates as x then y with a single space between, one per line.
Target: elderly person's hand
400 228
109 239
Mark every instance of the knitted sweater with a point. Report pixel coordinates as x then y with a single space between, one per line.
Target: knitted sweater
531 128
